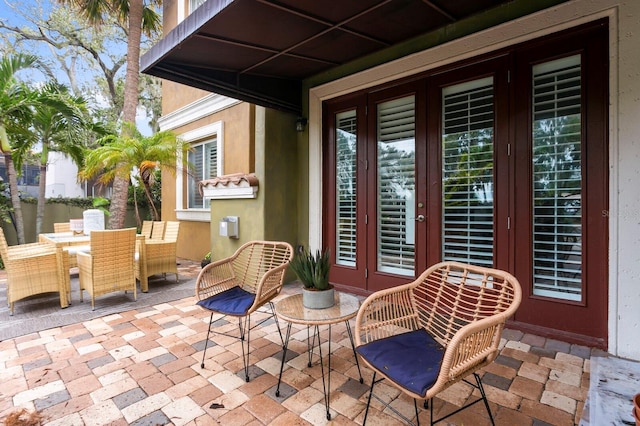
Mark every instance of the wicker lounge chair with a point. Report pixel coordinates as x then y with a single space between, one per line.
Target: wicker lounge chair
239 285
429 334
157 256
33 269
110 265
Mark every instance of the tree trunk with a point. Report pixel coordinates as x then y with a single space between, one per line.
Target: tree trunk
147 192
135 208
118 210
121 183
15 197
42 185
13 184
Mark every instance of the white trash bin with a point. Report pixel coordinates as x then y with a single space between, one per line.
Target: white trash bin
93 220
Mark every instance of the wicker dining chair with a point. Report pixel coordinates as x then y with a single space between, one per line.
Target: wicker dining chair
429 334
32 269
71 251
158 229
61 227
238 285
157 256
109 267
146 229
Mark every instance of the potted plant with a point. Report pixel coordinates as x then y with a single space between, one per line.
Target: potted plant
206 260
313 270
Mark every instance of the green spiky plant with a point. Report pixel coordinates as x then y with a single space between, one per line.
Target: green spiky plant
206 260
312 269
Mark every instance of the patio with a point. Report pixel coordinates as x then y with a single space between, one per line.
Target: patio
142 366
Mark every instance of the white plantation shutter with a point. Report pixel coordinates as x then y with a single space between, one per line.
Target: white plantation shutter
396 186
204 160
346 188
196 161
557 179
211 165
467 175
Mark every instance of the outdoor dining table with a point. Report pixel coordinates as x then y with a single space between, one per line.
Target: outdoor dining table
64 239
293 311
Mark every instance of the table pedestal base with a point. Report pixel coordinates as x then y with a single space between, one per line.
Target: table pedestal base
326 383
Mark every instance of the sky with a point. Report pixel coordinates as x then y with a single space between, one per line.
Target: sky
7 13
9 16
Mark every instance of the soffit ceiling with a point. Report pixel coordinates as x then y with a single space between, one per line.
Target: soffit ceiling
260 51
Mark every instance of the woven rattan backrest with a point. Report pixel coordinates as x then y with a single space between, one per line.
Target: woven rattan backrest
4 247
112 252
451 295
255 258
171 231
62 227
147 225
158 229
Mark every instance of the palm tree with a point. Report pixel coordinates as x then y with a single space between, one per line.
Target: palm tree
16 102
136 16
120 155
58 123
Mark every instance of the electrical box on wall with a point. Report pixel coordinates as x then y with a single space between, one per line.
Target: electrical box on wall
229 227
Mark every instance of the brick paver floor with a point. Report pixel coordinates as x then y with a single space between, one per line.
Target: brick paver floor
142 367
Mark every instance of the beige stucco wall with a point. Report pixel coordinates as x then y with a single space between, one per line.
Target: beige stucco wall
169 15
194 239
176 95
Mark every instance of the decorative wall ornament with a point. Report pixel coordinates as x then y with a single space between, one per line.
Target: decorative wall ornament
236 185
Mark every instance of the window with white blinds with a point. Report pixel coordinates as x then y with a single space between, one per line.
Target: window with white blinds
557 179
467 172
203 158
194 4
346 188
396 186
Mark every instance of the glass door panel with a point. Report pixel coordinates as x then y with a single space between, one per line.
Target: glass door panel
467 172
346 185
396 186
557 179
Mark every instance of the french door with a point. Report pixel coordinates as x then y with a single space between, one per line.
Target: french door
501 162
560 199
413 182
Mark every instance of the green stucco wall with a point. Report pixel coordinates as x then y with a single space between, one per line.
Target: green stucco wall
273 214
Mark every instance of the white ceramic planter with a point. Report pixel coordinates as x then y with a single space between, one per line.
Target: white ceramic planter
314 299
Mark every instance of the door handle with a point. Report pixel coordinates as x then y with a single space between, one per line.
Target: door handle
420 218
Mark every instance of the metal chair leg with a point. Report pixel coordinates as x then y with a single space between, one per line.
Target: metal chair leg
366 412
245 351
484 397
206 342
275 318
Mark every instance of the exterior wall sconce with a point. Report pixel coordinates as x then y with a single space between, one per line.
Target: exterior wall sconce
300 123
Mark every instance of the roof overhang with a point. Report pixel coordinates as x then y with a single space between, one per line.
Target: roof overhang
260 51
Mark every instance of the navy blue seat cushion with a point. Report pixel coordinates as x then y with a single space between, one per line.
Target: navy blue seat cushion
412 360
234 301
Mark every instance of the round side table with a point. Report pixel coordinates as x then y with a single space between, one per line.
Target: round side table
293 311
